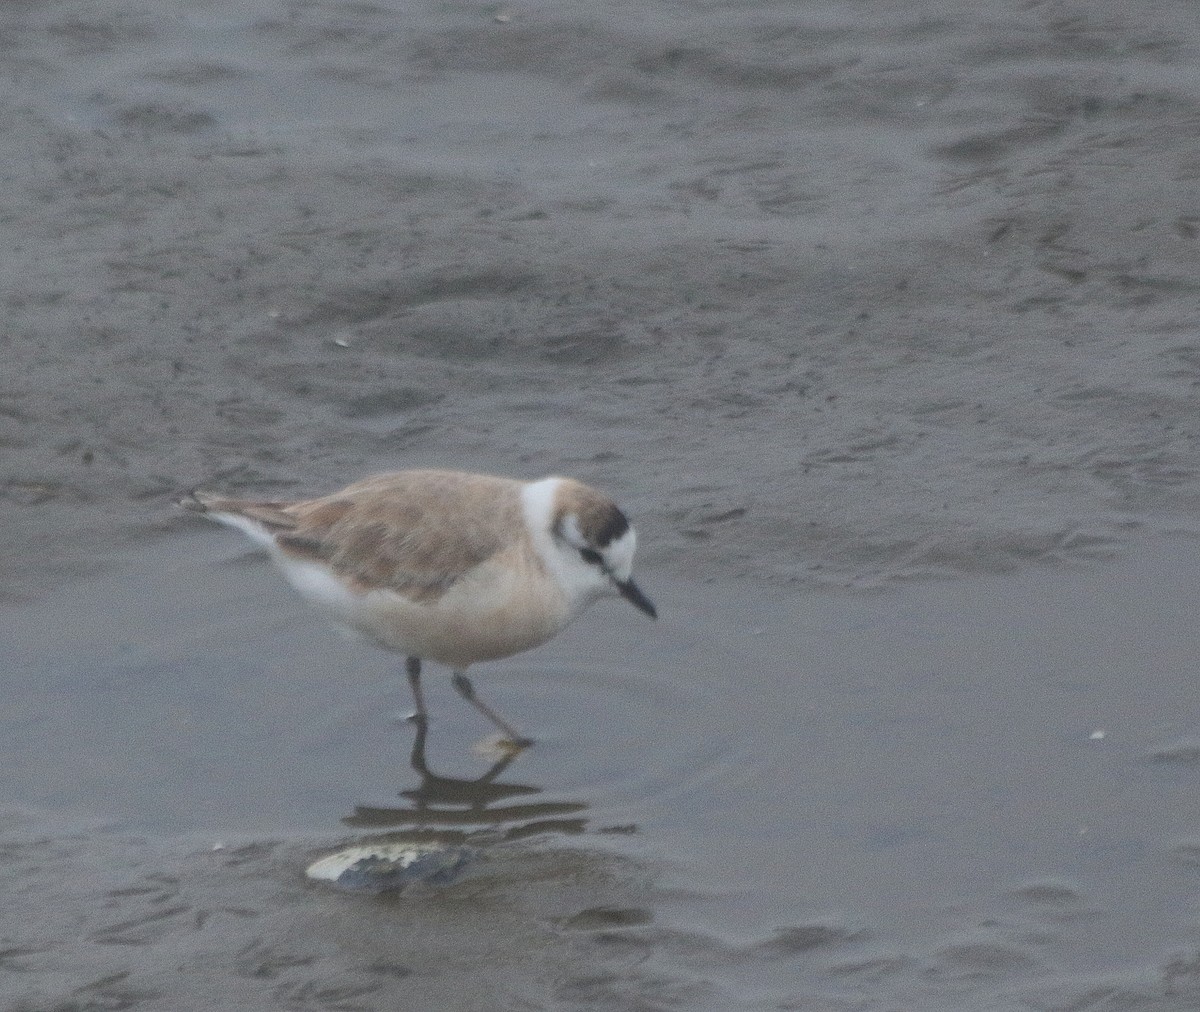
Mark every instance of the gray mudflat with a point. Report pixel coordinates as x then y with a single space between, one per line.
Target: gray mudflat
975 791
880 319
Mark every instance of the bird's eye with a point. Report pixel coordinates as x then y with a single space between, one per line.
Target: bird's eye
590 556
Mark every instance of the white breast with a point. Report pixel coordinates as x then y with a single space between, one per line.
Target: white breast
495 611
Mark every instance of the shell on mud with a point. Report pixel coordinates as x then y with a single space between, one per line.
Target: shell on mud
389 866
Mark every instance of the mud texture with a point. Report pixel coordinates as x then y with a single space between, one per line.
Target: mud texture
829 295
832 293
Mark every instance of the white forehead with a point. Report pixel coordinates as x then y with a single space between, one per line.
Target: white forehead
619 554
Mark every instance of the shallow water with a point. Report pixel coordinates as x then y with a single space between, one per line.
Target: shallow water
834 297
941 789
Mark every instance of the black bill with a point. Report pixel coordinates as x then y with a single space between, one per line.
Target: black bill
633 594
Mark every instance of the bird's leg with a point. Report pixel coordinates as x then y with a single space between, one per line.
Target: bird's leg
463 686
413 667
416 758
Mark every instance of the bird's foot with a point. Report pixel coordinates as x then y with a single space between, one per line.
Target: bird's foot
501 746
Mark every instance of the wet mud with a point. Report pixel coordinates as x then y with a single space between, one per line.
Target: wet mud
880 320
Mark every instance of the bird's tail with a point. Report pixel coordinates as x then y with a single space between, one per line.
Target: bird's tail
260 520
197 501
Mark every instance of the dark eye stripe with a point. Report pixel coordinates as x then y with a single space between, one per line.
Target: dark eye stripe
591 556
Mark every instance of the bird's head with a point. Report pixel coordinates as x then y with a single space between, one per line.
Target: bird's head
593 543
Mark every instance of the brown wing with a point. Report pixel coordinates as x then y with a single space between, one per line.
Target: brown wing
415 532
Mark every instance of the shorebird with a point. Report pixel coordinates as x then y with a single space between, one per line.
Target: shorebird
445 566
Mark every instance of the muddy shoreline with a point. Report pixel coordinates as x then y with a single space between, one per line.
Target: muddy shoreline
845 303
839 297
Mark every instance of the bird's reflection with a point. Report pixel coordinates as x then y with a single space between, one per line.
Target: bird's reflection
443 803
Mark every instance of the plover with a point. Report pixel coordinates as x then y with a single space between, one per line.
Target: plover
445 566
